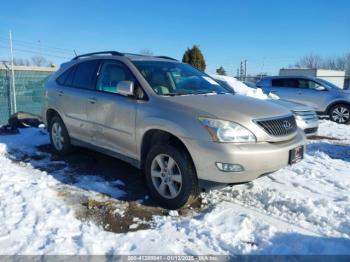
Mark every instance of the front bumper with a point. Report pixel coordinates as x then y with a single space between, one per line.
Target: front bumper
257 159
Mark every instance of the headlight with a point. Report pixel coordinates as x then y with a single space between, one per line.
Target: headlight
304 115
226 131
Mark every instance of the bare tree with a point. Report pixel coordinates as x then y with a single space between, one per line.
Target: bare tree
18 61
39 61
309 61
27 62
146 52
316 61
335 63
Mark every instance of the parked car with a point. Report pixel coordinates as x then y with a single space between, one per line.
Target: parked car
178 125
323 96
305 116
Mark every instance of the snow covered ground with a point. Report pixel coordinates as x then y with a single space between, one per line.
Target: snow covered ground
301 209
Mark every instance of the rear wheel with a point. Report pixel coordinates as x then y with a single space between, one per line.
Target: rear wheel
59 136
340 114
171 177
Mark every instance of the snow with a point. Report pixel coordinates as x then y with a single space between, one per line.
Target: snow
300 209
331 129
242 89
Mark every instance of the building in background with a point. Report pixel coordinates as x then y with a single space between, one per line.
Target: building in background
29 89
334 76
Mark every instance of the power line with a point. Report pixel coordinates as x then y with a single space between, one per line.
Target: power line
28 43
34 52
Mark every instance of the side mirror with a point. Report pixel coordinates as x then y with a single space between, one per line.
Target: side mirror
259 85
125 88
320 88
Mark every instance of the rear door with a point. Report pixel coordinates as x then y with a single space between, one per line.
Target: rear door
112 116
75 90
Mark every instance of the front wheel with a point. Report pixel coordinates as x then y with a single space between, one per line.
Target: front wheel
171 177
340 114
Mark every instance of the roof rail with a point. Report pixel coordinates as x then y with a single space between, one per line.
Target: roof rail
98 53
132 54
166 57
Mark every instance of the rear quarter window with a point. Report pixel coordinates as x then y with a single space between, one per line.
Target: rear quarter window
85 74
66 78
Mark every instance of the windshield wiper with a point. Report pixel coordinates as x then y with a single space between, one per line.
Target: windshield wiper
211 92
174 94
197 93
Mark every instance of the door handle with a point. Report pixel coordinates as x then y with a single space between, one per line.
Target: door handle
92 100
60 93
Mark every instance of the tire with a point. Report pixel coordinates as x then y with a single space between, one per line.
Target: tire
340 114
166 180
59 136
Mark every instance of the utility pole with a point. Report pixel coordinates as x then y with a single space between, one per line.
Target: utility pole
13 85
8 89
241 71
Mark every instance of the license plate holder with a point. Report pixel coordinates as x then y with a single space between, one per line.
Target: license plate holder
296 155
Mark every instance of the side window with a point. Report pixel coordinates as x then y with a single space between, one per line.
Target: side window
111 73
277 82
85 74
313 85
285 82
66 78
303 83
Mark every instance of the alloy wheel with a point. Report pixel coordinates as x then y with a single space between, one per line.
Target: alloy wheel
57 136
340 114
166 176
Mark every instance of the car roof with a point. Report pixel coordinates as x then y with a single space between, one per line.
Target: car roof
119 56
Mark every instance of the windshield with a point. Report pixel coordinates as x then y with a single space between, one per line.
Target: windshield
169 78
328 84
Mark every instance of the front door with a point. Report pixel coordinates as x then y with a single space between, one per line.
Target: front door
112 116
312 94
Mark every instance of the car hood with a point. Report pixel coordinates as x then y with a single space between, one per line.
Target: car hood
232 107
292 105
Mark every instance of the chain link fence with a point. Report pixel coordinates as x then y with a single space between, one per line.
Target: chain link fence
26 94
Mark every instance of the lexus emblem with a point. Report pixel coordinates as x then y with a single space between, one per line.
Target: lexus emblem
287 125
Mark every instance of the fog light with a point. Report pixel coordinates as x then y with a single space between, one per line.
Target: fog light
229 167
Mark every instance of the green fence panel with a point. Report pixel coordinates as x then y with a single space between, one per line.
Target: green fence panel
29 89
4 97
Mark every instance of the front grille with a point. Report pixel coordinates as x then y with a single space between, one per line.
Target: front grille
279 126
310 130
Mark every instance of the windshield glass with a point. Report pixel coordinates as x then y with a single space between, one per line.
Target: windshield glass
328 84
169 78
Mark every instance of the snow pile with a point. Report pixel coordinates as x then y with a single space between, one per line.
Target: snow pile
242 89
301 209
334 130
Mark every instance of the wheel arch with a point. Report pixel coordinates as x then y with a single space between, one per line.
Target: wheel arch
51 113
157 136
338 102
